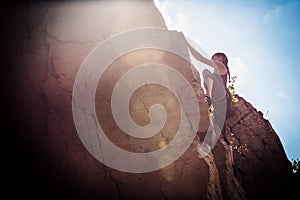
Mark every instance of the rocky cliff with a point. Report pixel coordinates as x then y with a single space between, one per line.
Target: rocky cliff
43 46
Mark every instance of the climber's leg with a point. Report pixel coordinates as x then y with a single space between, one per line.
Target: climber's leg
208 82
220 121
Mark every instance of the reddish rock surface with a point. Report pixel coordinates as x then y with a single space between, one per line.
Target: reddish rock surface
44 45
261 163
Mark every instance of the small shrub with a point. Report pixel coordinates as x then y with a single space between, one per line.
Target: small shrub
231 88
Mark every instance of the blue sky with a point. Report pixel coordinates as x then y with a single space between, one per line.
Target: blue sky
262 41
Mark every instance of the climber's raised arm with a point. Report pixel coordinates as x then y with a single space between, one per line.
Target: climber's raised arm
219 67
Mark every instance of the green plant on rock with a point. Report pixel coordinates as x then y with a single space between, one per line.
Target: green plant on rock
296 166
231 88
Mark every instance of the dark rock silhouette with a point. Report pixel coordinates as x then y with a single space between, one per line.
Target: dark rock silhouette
260 160
43 47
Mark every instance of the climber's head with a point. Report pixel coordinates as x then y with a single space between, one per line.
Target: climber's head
221 57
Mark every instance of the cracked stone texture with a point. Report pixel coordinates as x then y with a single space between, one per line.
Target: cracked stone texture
260 162
43 47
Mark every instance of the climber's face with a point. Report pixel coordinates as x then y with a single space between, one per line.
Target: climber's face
220 67
218 58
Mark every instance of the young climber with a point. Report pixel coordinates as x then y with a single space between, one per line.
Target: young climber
217 92
215 84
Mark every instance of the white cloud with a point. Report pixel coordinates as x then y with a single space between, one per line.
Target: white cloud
181 22
283 95
177 21
237 65
272 13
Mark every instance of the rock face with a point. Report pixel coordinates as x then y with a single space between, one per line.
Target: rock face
261 164
43 48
